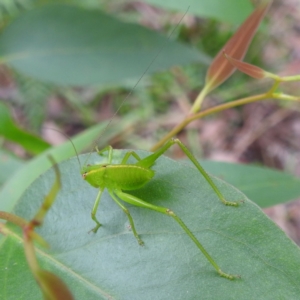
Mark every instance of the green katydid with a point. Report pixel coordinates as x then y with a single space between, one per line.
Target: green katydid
123 177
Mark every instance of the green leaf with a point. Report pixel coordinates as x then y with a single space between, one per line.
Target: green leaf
8 165
111 264
10 130
264 186
69 45
232 11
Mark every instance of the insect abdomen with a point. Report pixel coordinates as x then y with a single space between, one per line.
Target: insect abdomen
126 177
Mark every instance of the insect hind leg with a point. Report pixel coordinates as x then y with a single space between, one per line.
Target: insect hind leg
141 203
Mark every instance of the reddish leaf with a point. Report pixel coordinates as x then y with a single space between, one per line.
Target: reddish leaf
250 69
246 68
236 47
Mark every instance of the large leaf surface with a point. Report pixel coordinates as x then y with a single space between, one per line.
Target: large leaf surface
111 265
70 45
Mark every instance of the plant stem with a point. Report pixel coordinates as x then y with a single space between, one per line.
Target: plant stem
290 78
198 102
221 107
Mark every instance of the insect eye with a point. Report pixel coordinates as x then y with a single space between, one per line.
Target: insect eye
84 175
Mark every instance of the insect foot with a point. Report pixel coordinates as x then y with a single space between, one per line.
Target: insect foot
95 229
228 276
231 203
141 243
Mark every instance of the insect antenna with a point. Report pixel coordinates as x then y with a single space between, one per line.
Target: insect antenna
74 150
67 137
136 84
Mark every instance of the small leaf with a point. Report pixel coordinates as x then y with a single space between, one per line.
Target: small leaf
250 69
246 68
236 47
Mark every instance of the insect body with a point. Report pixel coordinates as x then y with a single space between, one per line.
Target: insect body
119 178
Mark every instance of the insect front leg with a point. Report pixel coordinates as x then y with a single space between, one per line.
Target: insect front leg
139 202
109 149
128 154
94 211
